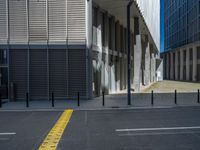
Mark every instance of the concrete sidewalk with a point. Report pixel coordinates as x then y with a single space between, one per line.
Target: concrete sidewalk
139 100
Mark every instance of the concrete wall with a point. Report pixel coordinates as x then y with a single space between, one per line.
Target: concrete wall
143 55
150 9
185 62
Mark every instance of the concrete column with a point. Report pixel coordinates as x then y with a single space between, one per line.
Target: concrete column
137 62
171 66
194 74
167 66
188 64
176 65
99 61
106 89
153 67
181 64
147 65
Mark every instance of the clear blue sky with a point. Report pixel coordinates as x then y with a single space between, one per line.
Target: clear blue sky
162 26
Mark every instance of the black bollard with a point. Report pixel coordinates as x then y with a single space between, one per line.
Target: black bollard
152 98
27 100
175 97
103 99
198 99
52 99
0 101
78 99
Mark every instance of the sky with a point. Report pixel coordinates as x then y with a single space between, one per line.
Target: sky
162 26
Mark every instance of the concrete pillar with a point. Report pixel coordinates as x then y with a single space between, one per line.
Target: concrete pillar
113 68
164 67
153 67
171 66
188 64
194 74
181 64
147 65
137 63
167 66
106 82
99 60
176 65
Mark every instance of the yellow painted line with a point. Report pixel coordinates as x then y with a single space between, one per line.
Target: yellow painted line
52 139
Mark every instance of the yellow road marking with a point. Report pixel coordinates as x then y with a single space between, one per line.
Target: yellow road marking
52 139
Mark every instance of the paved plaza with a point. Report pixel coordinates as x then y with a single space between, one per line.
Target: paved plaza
168 86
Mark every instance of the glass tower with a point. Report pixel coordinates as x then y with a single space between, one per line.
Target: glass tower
182 23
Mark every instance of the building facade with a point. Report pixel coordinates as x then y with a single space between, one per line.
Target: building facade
71 46
182 40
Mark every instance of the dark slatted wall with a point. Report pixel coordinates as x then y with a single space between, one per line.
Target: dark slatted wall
18 71
58 72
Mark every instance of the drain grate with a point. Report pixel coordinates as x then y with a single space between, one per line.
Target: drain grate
115 107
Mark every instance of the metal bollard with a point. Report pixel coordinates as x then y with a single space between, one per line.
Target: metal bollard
152 98
198 99
0 101
175 97
78 99
103 99
27 100
52 99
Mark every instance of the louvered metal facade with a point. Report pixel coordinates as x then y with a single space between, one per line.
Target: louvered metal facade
38 21
68 46
38 74
18 30
76 22
46 43
57 19
3 22
19 71
58 68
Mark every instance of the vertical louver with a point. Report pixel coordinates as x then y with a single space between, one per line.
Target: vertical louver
3 22
76 22
18 21
37 21
57 20
18 71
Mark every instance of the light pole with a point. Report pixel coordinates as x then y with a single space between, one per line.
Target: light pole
129 51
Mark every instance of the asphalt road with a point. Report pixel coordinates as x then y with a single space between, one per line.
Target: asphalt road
96 130
25 130
142 129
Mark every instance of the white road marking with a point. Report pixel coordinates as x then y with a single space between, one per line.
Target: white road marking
8 133
157 129
154 133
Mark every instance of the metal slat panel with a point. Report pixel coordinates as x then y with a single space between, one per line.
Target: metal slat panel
58 73
76 22
57 21
37 21
77 72
38 74
18 21
18 71
3 22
